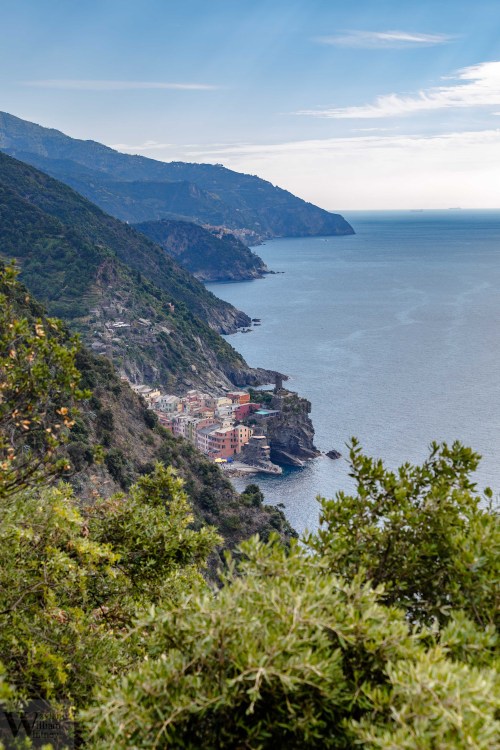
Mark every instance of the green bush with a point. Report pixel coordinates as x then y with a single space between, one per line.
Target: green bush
289 655
423 532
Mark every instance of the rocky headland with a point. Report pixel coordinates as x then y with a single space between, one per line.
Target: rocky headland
288 427
209 253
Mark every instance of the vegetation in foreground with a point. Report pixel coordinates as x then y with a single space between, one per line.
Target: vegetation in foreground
378 632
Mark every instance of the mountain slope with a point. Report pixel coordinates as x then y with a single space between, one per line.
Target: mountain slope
70 255
135 188
117 421
210 257
142 255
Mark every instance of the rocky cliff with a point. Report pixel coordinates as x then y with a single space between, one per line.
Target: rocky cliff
121 292
290 432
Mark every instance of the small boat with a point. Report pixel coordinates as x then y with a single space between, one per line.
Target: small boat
255 320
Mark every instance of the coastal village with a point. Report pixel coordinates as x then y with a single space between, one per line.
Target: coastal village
217 426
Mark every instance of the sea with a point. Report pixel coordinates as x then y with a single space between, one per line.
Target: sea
393 334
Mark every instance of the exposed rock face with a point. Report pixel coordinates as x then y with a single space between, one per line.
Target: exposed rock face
243 376
257 453
290 433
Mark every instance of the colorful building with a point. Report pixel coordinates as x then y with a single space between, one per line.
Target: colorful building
168 404
242 411
239 397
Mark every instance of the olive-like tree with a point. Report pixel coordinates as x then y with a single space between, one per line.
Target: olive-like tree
38 388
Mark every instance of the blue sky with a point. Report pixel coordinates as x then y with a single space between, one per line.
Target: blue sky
350 105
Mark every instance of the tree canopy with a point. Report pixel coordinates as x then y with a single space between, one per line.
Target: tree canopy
424 532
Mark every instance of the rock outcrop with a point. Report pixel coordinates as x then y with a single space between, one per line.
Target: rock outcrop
290 432
333 454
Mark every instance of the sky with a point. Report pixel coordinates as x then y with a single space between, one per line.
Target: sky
351 105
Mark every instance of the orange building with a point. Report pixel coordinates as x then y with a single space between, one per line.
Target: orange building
244 434
239 397
225 442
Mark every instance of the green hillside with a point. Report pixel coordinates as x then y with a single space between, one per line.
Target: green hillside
209 256
95 227
130 441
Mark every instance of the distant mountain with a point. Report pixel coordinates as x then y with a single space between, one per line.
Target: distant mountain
123 293
138 189
209 255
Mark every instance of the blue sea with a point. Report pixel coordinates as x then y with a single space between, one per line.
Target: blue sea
393 334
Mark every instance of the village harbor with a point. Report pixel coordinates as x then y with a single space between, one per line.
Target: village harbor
228 429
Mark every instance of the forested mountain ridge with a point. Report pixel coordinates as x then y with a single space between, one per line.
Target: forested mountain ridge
208 255
124 294
136 188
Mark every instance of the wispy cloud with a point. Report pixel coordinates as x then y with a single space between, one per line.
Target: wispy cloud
96 85
373 130
146 146
350 143
384 39
476 86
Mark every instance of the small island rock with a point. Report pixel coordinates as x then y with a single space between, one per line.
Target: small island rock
334 454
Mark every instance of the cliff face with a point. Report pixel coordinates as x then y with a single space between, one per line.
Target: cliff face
291 433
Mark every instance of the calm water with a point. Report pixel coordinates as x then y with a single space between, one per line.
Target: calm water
393 334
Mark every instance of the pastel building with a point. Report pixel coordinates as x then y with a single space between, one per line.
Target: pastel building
225 442
243 434
203 438
225 410
149 394
168 404
165 420
244 410
181 425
